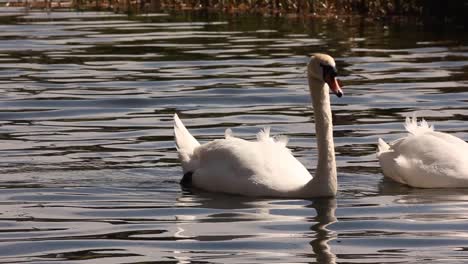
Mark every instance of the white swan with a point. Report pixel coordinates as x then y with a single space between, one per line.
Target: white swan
266 167
425 158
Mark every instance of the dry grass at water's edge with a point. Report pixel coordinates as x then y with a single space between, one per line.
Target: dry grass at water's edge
445 11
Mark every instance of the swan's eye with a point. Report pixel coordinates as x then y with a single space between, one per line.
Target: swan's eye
329 71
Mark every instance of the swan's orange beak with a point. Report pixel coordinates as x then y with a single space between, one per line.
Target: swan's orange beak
334 85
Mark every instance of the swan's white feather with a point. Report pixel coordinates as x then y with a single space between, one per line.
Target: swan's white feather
425 158
264 135
237 166
228 133
412 126
232 165
185 143
382 147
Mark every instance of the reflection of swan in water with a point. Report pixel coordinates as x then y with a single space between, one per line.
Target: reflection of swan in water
325 216
388 187
227 218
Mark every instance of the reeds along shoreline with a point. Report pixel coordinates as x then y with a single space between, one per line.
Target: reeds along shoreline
441 10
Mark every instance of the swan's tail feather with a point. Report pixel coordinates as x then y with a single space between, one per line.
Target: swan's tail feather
412 126
264 134
228 133
185 144
383 147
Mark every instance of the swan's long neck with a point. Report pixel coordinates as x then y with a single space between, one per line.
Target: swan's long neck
324 182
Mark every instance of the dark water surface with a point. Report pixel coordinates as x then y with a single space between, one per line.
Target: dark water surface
89 172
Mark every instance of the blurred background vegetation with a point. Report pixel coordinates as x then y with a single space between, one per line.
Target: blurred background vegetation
436 10
425 10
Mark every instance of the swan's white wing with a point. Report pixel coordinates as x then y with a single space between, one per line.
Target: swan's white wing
264 136
427 159
412 126
261 168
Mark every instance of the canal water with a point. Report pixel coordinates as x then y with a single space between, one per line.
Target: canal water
89 170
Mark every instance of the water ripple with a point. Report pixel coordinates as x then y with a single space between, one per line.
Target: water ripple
90 171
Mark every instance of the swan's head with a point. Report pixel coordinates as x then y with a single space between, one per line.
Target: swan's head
322 68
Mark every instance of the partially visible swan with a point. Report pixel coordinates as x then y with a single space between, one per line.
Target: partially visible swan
425 158
266 167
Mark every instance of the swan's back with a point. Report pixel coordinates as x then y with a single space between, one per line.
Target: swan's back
426 158
254 168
